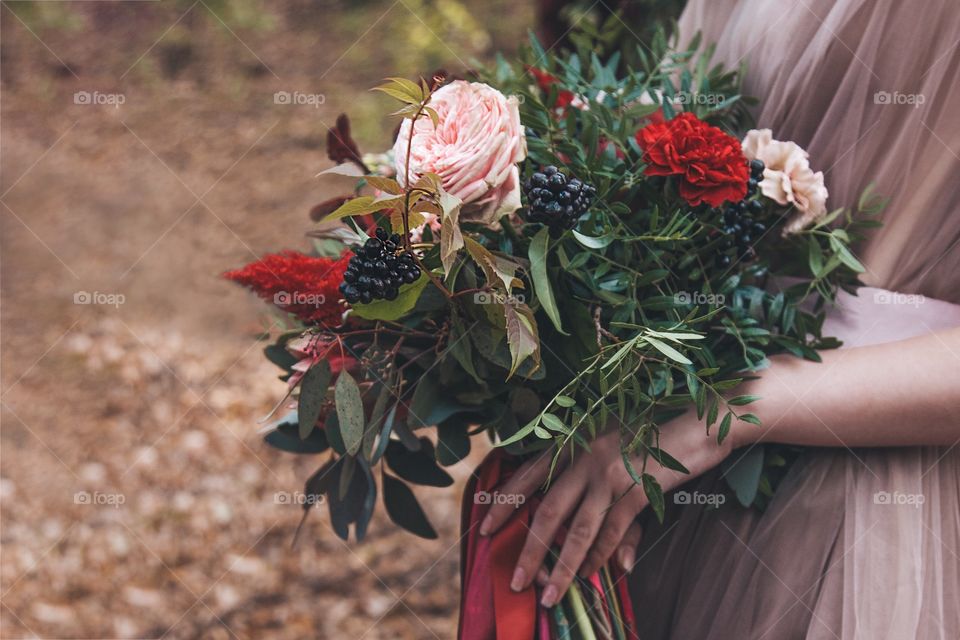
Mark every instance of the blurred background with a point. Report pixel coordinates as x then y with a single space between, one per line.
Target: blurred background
145 148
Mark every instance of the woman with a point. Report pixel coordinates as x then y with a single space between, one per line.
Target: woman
862 539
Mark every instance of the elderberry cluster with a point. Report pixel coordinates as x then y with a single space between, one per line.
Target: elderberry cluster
377 269
740 230
555 201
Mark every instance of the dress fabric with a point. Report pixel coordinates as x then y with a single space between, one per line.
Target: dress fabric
857 544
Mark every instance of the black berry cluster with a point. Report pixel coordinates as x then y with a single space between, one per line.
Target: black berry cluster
555 201
740 229
377 269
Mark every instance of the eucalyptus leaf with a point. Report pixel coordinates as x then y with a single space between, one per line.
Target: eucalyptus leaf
313 393
404 510
349 412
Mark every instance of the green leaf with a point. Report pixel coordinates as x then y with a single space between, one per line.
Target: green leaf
357 501
404 510
402 96
522 336
348 169
451 238
393 309
278 355
845 255
551 421
541 282
521 433
565 401
499 272
591 242
742 400
654 494
666 460
389 185
285 437
749 417
313 393
349 412
815 257
713 412
743 474
419 467
667 350
403 90
701 401
724 427
362 205
453 443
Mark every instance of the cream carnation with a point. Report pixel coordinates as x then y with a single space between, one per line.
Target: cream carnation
474 148
788 178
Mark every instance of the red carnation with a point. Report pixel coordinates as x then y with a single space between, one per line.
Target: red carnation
710 163
303 285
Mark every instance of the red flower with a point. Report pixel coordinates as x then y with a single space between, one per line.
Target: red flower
710 163
545 81
303 285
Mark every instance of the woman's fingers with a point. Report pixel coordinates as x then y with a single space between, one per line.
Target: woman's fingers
580 537
556 506
524 482
627 552
611 536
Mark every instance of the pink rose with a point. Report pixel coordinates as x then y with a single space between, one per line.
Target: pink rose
788 178
474 148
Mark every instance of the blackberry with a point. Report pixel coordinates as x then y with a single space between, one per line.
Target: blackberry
377 269
555 200
739 226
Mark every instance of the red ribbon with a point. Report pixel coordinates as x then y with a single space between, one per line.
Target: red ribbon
489 608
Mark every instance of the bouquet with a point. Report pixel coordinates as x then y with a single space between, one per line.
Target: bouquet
552 249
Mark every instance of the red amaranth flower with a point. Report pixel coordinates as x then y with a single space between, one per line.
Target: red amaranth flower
303 285
710 163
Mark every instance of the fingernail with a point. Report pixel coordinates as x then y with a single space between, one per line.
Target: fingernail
549 597
626 557
518 580
485 526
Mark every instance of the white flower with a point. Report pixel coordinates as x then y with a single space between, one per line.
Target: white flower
788 178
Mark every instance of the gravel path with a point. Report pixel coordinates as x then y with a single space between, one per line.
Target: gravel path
136 499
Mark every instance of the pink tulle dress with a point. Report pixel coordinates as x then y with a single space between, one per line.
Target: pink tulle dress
857 543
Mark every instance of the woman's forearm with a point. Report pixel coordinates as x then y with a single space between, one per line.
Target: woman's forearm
894 394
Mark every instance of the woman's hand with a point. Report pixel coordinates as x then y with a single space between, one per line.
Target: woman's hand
600 500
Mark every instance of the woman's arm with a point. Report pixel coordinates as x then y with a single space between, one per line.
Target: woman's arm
892 394
901 393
